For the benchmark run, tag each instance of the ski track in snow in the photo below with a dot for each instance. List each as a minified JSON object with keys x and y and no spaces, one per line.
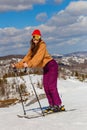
{"x":74,"y":97}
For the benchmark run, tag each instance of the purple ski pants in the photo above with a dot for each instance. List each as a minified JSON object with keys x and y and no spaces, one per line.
{"x":50,"y":75}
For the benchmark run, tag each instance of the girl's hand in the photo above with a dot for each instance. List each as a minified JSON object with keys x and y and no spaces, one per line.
{"x":13,"y":65}
{"x":25,"y":64}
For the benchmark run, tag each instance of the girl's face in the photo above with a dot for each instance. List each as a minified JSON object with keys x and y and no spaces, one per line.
{"x":35,"y":41}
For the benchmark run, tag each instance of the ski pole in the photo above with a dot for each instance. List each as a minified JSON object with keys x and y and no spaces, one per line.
{"x":16,"y":74}
{"x":34,"y":91}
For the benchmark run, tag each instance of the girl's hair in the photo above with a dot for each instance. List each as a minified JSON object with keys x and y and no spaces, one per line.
{"x":34,"y":48}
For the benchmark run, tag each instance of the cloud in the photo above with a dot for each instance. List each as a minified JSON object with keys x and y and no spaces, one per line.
{"x":42,"y":17}
{"x":70,"y":14}
{"x":68,"y":23}
{"x":13,"y":41}
{"x":68,"y":28}
{"x":18,"y":5}
{"x":77,"y":8}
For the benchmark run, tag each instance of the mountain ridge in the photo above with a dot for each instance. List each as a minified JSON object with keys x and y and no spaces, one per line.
{"x":78,"y":54}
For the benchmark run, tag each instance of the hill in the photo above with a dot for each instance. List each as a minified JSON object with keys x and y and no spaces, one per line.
{"x":11,"y":56}
{"x":78,"y":54}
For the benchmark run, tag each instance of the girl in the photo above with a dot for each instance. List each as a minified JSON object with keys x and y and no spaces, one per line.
{"x":38,"y":56}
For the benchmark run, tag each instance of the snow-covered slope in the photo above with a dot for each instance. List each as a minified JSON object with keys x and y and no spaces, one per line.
{"x":74,"y":97}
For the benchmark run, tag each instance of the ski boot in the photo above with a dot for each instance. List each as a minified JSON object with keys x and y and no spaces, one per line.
{"x":53,"y":109}
{"x":62,"y":108}
{"x":48,"y":109}
{"x":57,"y":109}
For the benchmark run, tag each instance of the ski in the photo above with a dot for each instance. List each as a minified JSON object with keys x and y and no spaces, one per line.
{"x":37,"y":116}
{"x":50,"y":112}
{"x":29,"y":116}
{"x":40,"y":115}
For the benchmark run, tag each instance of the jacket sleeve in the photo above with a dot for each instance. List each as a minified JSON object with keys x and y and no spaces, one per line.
{"x":38,"y":57}
{"x":25,"y":59}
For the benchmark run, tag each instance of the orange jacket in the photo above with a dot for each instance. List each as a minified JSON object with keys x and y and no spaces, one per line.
{"x":40,"y":59}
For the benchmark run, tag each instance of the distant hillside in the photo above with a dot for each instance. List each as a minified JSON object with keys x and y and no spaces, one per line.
{"x":68,"y":64}
{"x":11,"y":56}
{"x":78,"y":54}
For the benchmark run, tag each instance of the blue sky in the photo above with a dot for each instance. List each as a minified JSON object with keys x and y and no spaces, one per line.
{"x":23,"y":18}
{"x":63,"y":25}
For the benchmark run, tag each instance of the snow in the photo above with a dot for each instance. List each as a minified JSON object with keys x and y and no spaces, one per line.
{"x":74,"y":97}
{"x":35,"y":79}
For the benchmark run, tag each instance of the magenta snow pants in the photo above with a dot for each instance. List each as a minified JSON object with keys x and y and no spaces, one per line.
{"x":50,"y":75}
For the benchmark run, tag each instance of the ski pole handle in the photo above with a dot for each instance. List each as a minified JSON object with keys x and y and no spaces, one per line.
{"x":25,"y":66}
{"x":15,"y":69}
{"x":25,"y":70}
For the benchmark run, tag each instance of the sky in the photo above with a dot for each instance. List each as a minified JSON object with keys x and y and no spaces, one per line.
{"x":63,"y":25}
